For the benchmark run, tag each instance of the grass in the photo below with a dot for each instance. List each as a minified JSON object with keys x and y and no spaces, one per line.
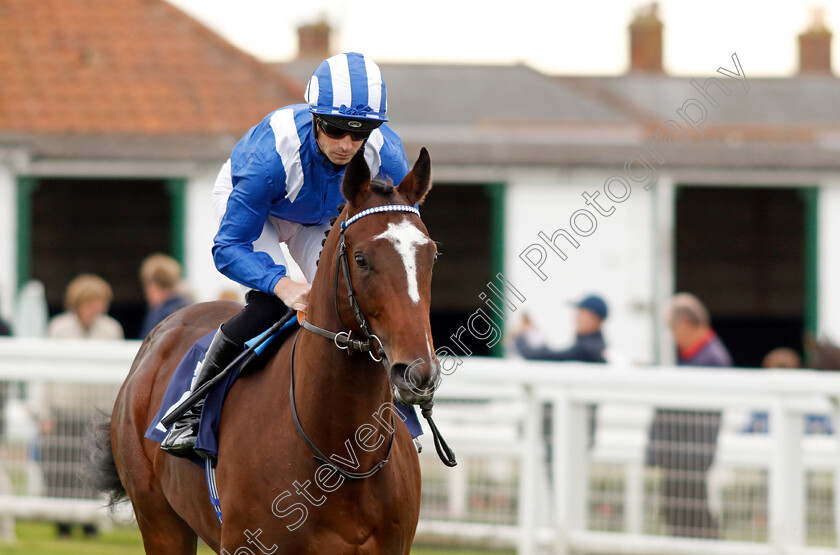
{"x":38,"y":538}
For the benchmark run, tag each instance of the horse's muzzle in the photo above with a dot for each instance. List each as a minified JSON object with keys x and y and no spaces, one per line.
{"x":415,"y":383}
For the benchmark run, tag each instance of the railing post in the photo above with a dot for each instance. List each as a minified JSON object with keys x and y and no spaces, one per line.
{"x":457,"y":489}
{"x":634,"y":493}
{"x":571,"y":480}
{"x":786,"y":487}
{"x":529,"y":467}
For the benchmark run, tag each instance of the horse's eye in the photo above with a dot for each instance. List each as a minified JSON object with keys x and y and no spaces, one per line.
{"x":361,"y":261}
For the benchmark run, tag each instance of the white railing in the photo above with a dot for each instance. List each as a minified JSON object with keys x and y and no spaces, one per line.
{"x":523,"y":387}
{"x":504,"y":493}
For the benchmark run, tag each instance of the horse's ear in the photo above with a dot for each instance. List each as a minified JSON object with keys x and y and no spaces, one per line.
{"x":418,"y":182}
{"x":356,"y":179}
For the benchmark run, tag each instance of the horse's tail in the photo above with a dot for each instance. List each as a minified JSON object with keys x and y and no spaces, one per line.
{"x":100,"y":471}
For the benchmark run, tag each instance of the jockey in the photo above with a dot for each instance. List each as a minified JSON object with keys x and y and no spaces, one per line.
{"x":282,"y":184}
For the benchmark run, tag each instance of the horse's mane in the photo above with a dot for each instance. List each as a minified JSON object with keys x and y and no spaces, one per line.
{"x":383,"y":186}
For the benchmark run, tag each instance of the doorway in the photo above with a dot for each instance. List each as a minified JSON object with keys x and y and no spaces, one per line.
{"x":100,"y":226}
{"x":467,"y":221}
{"x":748,"y":253}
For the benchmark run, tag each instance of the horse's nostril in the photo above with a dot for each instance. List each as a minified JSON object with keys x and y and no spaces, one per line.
{"x":413,"y":378}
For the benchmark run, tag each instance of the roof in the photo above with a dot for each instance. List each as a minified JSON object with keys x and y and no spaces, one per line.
{"x":800,"y":101}
{"x":457,"y":95}
{"x":127,"y":67}
{"x":513,"y":115}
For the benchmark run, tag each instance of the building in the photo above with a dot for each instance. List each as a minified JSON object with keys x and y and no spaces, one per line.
{"x":720,"y":184}
{"x":114,"y":120}
{"x":632,"y":186}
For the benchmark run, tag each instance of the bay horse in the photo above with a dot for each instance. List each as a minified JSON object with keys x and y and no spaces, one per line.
{"x":275,"y":496}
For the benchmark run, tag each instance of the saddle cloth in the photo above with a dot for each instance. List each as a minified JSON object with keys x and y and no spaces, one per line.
{"x":208,"y":428}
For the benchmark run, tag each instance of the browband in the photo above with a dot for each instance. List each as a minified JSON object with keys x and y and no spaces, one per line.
{"x":377,"y":209}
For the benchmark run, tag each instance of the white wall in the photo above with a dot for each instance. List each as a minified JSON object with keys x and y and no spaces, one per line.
{"x":828,"y":272}
{"x":615,"y":261}
{"x":8,"y":241}
{"x":204,"y":280}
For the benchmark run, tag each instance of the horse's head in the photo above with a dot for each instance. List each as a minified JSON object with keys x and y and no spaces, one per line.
{"x":390,"y":258}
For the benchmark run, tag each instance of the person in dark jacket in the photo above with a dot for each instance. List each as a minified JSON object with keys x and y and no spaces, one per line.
{"x":589,"y":346}
{"x":160,"y":276}
{"x":683,"y":443}
{"x":589,"y":342}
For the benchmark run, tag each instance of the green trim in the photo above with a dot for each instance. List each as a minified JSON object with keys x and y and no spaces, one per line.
{"x":177,"y":189}
{"x":810,"y":197}
{"x":25,"y":187}
{"x":497,"y":193}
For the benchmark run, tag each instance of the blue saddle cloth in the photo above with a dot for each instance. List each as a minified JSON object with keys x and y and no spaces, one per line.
{"x":208,"y":428}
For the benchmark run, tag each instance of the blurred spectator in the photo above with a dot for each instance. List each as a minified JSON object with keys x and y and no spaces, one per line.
{"x":231,"y":295}
{"x":785,"y":358}
{"x":4,"y":328}
{"x":822,"y":354}
{"x":160,"y":275}
{"x":589,"y":346}
{"x":683,"y":443}
{"x":782,"y":357}
{"x":589,"y":342}
{"x":87,"y":299}
{"x":86,"y":302}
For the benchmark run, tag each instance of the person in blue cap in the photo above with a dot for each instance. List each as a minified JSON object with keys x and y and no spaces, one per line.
{"x":282,"y":184}
{"x":589,"y":343}
{"x":589,"y":346}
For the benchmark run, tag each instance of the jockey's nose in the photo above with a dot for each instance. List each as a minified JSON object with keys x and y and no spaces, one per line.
{"x":347,"y":142}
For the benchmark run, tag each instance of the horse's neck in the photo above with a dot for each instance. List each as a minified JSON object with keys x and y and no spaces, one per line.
{"x":348,"y":386}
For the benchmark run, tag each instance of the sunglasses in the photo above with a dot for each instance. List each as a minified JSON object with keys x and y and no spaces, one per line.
{"x":335,"y":132}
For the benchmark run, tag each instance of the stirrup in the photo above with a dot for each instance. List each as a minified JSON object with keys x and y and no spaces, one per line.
{"x":181,"y":438}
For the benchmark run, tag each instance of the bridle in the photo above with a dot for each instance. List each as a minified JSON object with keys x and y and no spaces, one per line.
{"x":343,"y":339}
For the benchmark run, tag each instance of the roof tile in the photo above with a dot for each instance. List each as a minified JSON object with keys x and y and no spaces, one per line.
{"x":133,"y":66}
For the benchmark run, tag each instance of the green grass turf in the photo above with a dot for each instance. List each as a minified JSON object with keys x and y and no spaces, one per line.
{"x":39,"y":538}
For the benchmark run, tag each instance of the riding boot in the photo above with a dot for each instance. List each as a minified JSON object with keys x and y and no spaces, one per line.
{"x":180,"y":440}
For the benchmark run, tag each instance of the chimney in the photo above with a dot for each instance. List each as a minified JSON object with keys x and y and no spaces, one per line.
{"x":314,"y":41}
{"x":646,"y":41}
{"x":815,"y":47}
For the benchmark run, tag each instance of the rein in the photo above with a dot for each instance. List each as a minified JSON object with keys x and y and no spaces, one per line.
{"x":319,"y":455}
{"x":343,"y":341}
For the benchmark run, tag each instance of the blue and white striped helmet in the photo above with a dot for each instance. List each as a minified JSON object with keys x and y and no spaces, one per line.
{"x":350,"y":86}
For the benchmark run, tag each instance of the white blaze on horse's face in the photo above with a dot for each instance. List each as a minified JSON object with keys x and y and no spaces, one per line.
{"x":406,"y":238}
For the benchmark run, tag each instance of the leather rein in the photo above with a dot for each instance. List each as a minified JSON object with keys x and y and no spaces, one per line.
{"x":343,"y":340}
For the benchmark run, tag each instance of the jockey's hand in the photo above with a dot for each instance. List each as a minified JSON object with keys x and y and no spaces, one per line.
{"x":293,"y":293}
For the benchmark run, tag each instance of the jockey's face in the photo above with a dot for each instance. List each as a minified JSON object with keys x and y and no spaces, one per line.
{"x":339,"y":151}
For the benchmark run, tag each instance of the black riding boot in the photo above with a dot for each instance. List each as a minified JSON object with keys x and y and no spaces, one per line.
{"x":180,"y":440}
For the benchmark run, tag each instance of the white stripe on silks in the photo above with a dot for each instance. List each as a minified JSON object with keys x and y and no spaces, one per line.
{"x":372,"y":148}
{"x":312,"y":91}
{"x":287,"y":144}
{"x":374,"y":85}
{"x":340,"y":73}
